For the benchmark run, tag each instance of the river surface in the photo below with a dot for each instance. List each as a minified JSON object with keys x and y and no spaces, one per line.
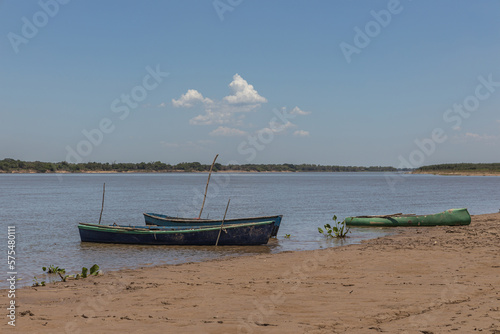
{"x":46,"y":208}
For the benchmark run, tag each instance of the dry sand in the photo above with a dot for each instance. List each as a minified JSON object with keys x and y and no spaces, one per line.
{"x":421,"y":280}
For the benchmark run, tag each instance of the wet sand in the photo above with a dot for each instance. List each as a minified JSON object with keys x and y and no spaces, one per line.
{"x":420,"y":280}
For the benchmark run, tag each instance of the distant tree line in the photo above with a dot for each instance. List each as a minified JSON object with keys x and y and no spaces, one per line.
{"x":462,"y":167}
{"x":303,"y":168}
{"x":11,"y":165}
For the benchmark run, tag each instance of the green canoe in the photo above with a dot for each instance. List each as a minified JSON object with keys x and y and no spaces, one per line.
{"x":447,"y":218}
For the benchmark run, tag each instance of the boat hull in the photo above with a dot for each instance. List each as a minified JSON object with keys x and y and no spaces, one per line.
{"x":447,"y":218}
{"x":240,"y":234}
{"x":164,"y":220}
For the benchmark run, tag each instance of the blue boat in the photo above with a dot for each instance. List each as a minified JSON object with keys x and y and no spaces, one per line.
{"x":257,"y":233}
{"x":164,"y":220}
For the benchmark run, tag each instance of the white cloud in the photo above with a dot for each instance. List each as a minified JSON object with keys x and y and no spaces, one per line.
{"x":470,"y":137}
{"x":298,"y":111}
{"x":483,"y":137}
{"x":230,"y":112}
{"x":277,"y":127}
{"x":191,"y":97}
{"x":227,"y":132}
{"x":212,"y":117}
{"x":243,"y":92}
{"x":285,"y":126}
{"x":244,"y":99}
{"x":301,"y":133}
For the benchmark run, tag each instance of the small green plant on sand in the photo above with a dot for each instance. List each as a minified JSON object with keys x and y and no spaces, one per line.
{"x":53,"y":269}
{"x":287,"y":236}
{"x":94,"y":271}
{"x":56,"y":270}
{"x":36,"y":283}
{"x":338,"y":230}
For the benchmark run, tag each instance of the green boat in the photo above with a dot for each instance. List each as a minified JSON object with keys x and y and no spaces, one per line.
{"x":447,"y":218}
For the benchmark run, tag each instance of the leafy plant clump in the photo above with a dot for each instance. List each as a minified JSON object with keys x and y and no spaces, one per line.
{"x":36,"y":283}
{"x":94,"y":271}
{"x":53,"y":269}
{"x":338,"y":230}
{"x":56,"y":270}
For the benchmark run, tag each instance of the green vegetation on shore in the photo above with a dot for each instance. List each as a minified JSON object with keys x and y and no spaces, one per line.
{"x":17,"y":166}
{"x":470,"y":168}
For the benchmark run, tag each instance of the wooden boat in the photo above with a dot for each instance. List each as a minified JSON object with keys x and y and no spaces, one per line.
{"x":447,"y":218}
{"x":164,"y":220}
{"x":237,"y":234}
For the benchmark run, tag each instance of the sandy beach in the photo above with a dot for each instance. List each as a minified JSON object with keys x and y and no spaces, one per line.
{"x":419,"y":280}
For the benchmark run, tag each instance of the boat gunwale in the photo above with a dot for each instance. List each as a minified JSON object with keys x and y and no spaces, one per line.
{"x":194,"y":220}
{"x":156,"y":230}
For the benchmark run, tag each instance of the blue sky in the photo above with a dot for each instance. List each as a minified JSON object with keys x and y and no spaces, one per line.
{"x":398,"y":83}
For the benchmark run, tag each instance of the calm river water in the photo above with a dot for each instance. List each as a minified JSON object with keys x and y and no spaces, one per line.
{"x":45,"y":210}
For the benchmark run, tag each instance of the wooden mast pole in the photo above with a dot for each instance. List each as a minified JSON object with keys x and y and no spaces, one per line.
{"x":206,"y":188}
{"x":102,"y":206}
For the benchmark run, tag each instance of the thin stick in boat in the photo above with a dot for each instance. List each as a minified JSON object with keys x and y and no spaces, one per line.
{"x":222,"y":224}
